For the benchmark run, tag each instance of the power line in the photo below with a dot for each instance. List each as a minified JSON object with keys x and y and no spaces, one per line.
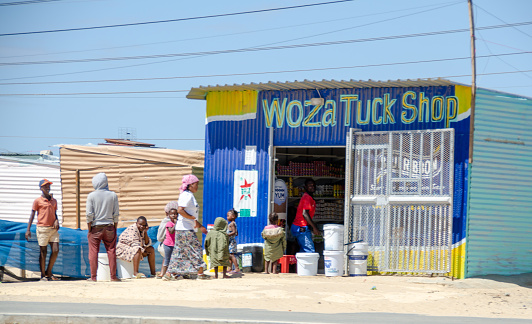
{"x":268,"y":48}
{"x":166,"y":91}
{"x":240,"y":33}
{"x":266,"y":72}
{"x":25,"y":2}
{"x":91,"y":93}
{"x":519,"y":30}
{"x":178,"y":19}
{"x":101,"y":69}
{"x":99,"y":138}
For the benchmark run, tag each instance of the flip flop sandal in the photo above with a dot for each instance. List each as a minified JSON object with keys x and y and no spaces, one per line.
{"x":140,"y":276}
{"x":53,"y":278}
{"x":44,"y":279}
{"x":203,"y":277}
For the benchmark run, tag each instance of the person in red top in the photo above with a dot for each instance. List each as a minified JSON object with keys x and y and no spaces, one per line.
{"x":47,"y":228}
{"x":303,"y":225}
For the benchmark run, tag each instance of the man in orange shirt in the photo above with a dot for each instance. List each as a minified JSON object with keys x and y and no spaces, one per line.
{"x":47,"y":228}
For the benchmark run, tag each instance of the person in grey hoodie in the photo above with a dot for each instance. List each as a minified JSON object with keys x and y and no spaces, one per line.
{"x":102,"y":221}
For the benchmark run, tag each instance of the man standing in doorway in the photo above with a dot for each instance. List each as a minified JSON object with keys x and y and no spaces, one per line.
{"x":47,"y":229}
{"x":102,"y":220}
{"x":303,"y":224}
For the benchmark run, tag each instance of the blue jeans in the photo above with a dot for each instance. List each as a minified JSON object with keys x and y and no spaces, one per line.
{"x":167,"y":254}
{"x":304,"y":238}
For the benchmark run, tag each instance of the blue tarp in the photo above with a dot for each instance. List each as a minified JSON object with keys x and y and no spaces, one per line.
{"x":73,"y":258}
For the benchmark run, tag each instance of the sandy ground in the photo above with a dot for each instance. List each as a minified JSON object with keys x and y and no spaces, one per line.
{"x":493,"y":296}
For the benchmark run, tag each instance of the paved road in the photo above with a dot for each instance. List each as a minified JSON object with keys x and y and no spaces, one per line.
{"x":25,"y":312}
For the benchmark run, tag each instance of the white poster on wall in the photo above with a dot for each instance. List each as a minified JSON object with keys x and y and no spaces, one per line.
{"x":251,"y":155}
{"x":280,"y":198}
{"x":245,"y":192}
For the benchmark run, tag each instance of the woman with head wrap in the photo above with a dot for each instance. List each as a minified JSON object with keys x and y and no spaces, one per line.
{"x":187,"y":256}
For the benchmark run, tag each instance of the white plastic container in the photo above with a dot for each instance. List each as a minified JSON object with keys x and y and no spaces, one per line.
{"x":358,"y":259}
{"x":333,"y":235}
{"x":125,"y":269}
{"x":334,"y":263}
{"x":307,"y":264}
{"x":103,"y":273}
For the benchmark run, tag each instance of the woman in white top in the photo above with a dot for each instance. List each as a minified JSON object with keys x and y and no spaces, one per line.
{"x":187,"y":256}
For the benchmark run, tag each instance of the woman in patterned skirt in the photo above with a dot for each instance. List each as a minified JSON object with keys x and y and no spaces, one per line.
{"x":187,"y":257}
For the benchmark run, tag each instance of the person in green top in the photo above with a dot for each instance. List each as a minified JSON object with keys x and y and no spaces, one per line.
{"x":217,"y":247}
{"x":274,"y":243}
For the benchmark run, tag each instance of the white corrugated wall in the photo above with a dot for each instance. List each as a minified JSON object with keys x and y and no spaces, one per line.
{"x":499,"y":236}
{"x":19,"y":187}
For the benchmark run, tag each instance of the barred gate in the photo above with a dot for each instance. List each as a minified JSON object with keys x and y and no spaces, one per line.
{"x":399,"y":188}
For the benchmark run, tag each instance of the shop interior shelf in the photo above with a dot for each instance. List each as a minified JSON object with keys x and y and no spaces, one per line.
{"x":309,"y":176}
{"x":335,"y":157}
{"x":329,"y":220}
{"x":319,"y":198}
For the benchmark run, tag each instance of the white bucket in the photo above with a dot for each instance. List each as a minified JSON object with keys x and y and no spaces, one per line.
{"x":358,"y":259}
{"x":125,"y":269}
{"x":307,"y":264}
{"x":334,"y":237}
{"x":103,"y":273}
{"x":334,"y":263}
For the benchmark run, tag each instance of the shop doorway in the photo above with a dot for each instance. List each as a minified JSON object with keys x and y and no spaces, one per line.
{"x":326,"y":165}
{"x":399,"y":188}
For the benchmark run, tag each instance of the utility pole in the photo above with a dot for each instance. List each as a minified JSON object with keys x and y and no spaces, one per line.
{"x":473,"y":82}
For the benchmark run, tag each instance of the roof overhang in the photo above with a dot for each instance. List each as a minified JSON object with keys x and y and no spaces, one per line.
{"x":201,"y":91}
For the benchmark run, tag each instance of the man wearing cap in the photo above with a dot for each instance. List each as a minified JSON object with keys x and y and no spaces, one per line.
{"x":102,"y":220}
{"x":47,"y":228}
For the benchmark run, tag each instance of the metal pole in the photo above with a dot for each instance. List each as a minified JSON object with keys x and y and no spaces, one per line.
{"x":473,"y":81}
{"x":78,"y":199}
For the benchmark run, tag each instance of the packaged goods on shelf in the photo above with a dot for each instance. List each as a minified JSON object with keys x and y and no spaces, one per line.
{"x":311,"y":169}
{"x":329,"y":210}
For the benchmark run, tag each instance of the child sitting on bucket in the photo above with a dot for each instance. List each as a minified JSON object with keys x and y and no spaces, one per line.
{"x":274,"y":244}
{"x":217,"y":247}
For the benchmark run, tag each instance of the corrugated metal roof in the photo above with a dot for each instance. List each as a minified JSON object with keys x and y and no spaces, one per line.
{"x":19,"y":186}
{"x":201,"y":91}
{"x":500,"y":203}
{"x":145,"y":180}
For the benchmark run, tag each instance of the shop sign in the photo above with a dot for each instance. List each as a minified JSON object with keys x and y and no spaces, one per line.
{"x":405,"y":109}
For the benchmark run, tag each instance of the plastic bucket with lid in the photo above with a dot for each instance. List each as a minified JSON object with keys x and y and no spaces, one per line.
{"x":334,"y":263}
{"x":358,"y":259}
{"x":334,"y":237}
{"x":103,"y":273}
{"x":307,"y":264}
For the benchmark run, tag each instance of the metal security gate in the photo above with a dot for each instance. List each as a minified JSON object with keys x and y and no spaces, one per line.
{"x":400,"y":187}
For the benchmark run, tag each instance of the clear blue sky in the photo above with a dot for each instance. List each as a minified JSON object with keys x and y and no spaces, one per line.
{"x":38,"y":114}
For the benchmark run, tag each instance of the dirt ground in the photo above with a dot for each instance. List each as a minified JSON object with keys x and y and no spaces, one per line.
{"x":491,"y":296}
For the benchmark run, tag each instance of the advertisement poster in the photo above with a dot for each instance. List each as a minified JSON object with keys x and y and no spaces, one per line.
{"x":280,"y":198}
{"x":245,"y":192}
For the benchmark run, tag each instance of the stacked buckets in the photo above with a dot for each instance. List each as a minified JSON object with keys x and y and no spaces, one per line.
{"x":333,"y":253}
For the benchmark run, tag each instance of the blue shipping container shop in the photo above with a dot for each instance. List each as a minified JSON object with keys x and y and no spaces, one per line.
{"x":394,"y":162}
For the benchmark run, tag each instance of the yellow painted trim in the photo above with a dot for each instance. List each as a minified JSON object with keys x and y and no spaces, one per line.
{"x":457,"y":262}
{"x":463,"y":94}
{"x":230,"y":103}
